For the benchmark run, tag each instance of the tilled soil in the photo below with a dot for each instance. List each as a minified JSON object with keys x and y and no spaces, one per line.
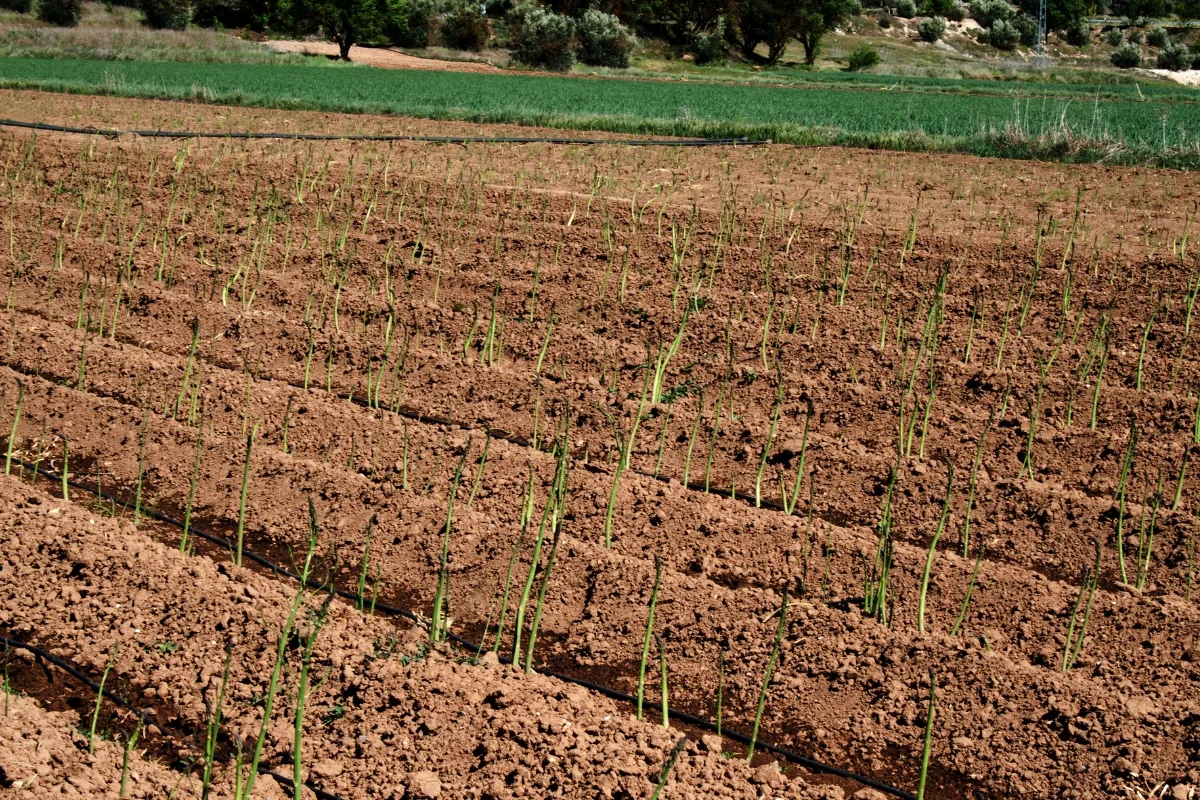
{"x":342,"y":297}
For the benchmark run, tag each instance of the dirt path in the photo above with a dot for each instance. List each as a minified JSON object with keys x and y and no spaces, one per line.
{"x":379,"y":57}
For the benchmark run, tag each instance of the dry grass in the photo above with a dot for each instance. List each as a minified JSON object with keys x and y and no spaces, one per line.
{"x":116,"y":33}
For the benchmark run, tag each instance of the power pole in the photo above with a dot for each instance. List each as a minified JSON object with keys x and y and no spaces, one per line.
{"x":1040,"y":50}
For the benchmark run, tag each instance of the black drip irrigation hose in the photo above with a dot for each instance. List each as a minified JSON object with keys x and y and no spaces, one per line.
{"x":380,"y":137}
{"x":477,"y":647}
{"x":123,"y":703}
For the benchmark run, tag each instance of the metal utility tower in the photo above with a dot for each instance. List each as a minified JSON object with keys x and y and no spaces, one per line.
{"x":1040,"y":50}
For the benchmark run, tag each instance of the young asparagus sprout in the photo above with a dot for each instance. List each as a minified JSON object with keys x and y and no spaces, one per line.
{"x":112,"y":657}
{"x":762,"y":463}
{"x":129,"y":746}
{"x":789,"y":500}
{"x":184,"y":540}
{"x":66,"y":492}
{"x":241,"y":526}
{"x":649,"y":634}
{"x":962,"y":614}
{"x":666,"y":770}
{"x":212,"y":730}
{"x":361,"y":588}
{"x":1087,"y":588}
{"x":662,"y":672}
{"x":12,"y":436}
{"x":141,"y":465}
{"x":937,"y":534}
{"x":302,"y":692}
{"x":771,"y":662}
{"x":487,"y":443}
{"x":438,"y":626}
{"x":966,"y":534}
{"x":928,"y":746}
{"x":541,"y":601}
{"x":245,"y":782}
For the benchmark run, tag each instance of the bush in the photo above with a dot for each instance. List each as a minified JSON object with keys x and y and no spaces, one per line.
{"x":19,"y":6}
{"x":63,"y":13}
{"x":603,"y":40}
{"x":1157,"y":37}
{"x":863,"y":57}
{"x":885,"y":20}
{"x":709,"y":48}
{"x":1134,"y":37}
{"x":544,"y":39}
{"x":465,"y":27}
{"x":1114,"y":37}
{"x":931,"y":29}
{"x":988,"y":12}
{"x":167,"y":14}
{"x":1127,"y":56}
{"x":1003,"y":35}
{"x":955,"y":12}
{"x":1079,"y":34}
{"x":905,"y":8}
{"x":1028,"y":28}
{"x":1173,"y":57}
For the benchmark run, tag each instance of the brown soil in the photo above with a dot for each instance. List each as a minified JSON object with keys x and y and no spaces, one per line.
{"x":769,"y":235}
{"x":379,"y":57}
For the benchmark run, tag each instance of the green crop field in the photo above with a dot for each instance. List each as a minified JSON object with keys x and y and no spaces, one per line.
{"x":1024,"y":121}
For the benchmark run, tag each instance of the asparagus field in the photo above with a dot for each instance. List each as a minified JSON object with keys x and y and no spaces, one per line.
{"x":393,"y":469}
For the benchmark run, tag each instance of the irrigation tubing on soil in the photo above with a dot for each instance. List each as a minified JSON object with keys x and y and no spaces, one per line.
{"x":112,"y":697}
{"x":607,"y":691}
{"x":380,"y":137}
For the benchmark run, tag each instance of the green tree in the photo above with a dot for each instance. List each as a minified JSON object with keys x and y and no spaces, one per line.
{"x":776,"y":22}
{"x":753,"y":22}
{"x":1061,"y":15}
{"x":818,"y":17}
{"x":680,"y":22}
{"x":345,"y":22}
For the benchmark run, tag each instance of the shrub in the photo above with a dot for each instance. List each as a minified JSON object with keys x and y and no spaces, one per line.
{"x":931,"y":29}
{"x":1114,"y":37}
{"x":1003,"y":35}
{"x":885,"y":20}
{"x":603,"y":40}
{"x":167,"y":14}
{"x":1079,"y":34}
{"x":709,"y":48}
{"x":863,"y":57}
{"x":1134,"y":37}
{"x":544,"y":39}
{"x":19,"y":6}
{"x":988,"y":12}
{"x":1173,"y":57}
{"x":63,"y":13}
{"x":955,"y":12}
{"x":1028,"y":28}
{"x":1157,"y":37}
{"x":1127,"y":56}
{"x":465,"y":27}
{"x":905,"y":8}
